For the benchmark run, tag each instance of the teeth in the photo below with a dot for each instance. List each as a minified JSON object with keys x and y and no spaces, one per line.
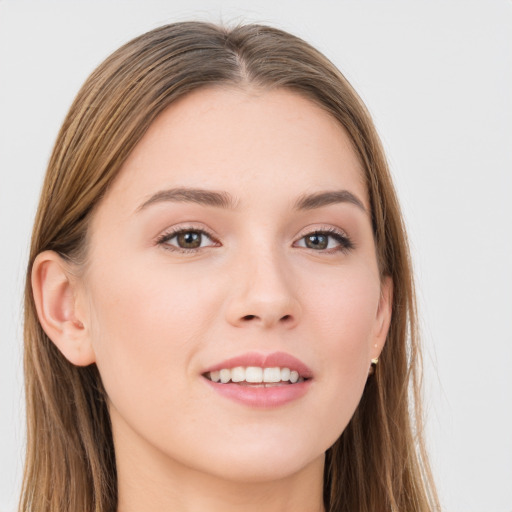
{"x":238,"y":374}
{"x":255,"y":375}
{"x":272,"y":375}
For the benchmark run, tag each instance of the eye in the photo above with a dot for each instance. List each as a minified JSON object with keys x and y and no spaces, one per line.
{"x":326,"y":240}
{"x":185,"y":240}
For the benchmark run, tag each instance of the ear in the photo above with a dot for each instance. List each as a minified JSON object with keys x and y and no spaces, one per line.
{"x":55,"y":294}
{"x":383,"y":318}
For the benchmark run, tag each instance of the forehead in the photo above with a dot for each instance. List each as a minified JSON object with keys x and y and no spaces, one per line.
{"x":248,"y":142}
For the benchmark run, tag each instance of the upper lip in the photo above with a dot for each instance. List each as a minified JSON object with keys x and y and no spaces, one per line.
{"x":272,"y":360}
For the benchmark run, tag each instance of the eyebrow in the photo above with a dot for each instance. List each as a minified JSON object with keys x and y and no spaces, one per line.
{"x":226,"y":201}
{"x":192,"y":195}
{"x":320,"y":199}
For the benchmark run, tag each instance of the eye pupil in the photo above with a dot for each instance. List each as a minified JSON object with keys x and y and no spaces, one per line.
{"x":317,"y":241}
{"x":189,"y":240}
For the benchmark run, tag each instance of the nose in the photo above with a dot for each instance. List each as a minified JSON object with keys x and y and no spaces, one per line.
{"x":262,"y":293}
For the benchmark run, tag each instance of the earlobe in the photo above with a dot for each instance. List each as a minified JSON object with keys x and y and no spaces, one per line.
{"x":54,"y":290}
{"x":383,"y":319}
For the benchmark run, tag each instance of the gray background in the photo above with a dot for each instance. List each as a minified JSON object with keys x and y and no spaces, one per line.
{"x":437,"y":77}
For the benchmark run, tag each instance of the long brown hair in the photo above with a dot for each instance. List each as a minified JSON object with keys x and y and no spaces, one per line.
{"x":379,"y":462}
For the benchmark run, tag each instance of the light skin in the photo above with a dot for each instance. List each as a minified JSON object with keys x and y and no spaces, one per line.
{"x":286,"y":262}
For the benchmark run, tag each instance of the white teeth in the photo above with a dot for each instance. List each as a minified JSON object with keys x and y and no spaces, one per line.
{"x":255,"y":375}
{"x":272,"y":375}
{"x":225,"y":376}
{"x":238,"y":374}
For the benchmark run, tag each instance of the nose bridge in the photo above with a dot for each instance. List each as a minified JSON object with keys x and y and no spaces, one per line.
{"x":264,"y":291}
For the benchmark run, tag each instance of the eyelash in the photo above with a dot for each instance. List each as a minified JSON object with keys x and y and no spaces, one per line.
{"x":163,"y":239}
{"x":345,"y":243}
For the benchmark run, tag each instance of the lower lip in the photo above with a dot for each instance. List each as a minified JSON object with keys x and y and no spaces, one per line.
{"x":262,"y":397}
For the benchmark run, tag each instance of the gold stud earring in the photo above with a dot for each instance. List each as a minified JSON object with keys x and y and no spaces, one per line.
{"x":373,"y":365}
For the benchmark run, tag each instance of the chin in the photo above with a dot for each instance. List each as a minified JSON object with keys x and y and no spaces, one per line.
{"x":270,"y":468}
{"x":246,"y":456}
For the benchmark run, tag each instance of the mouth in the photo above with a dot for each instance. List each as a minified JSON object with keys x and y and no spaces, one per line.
{"x":260,"y":380}
{"x":255,"y":376}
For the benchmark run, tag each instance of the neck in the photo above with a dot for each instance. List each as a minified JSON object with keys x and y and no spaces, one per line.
{"x":197,"y":493}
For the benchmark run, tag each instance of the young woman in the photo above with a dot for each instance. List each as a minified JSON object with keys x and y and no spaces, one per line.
{"x":219,"y":308}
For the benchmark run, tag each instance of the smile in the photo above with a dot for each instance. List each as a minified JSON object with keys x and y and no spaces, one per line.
{"x":260,"y":380}
{"x":254,"y":375}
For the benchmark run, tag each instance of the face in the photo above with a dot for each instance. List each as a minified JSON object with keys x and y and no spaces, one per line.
{"x":236,"y":235}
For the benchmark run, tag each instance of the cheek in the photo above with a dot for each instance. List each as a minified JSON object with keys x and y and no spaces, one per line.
{"x":343,"y":319}
{"x":145,"y":330}
{"x":343,"y":309}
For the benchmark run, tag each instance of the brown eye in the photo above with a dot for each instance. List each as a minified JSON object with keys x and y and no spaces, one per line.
{"x":186,"y":240}
{"x":189,"y":239}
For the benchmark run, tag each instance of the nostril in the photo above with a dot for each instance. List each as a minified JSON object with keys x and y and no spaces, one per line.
{"x":286,"y":319}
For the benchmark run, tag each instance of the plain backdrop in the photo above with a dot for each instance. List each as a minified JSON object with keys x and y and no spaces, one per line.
{"x":437,"y":78}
